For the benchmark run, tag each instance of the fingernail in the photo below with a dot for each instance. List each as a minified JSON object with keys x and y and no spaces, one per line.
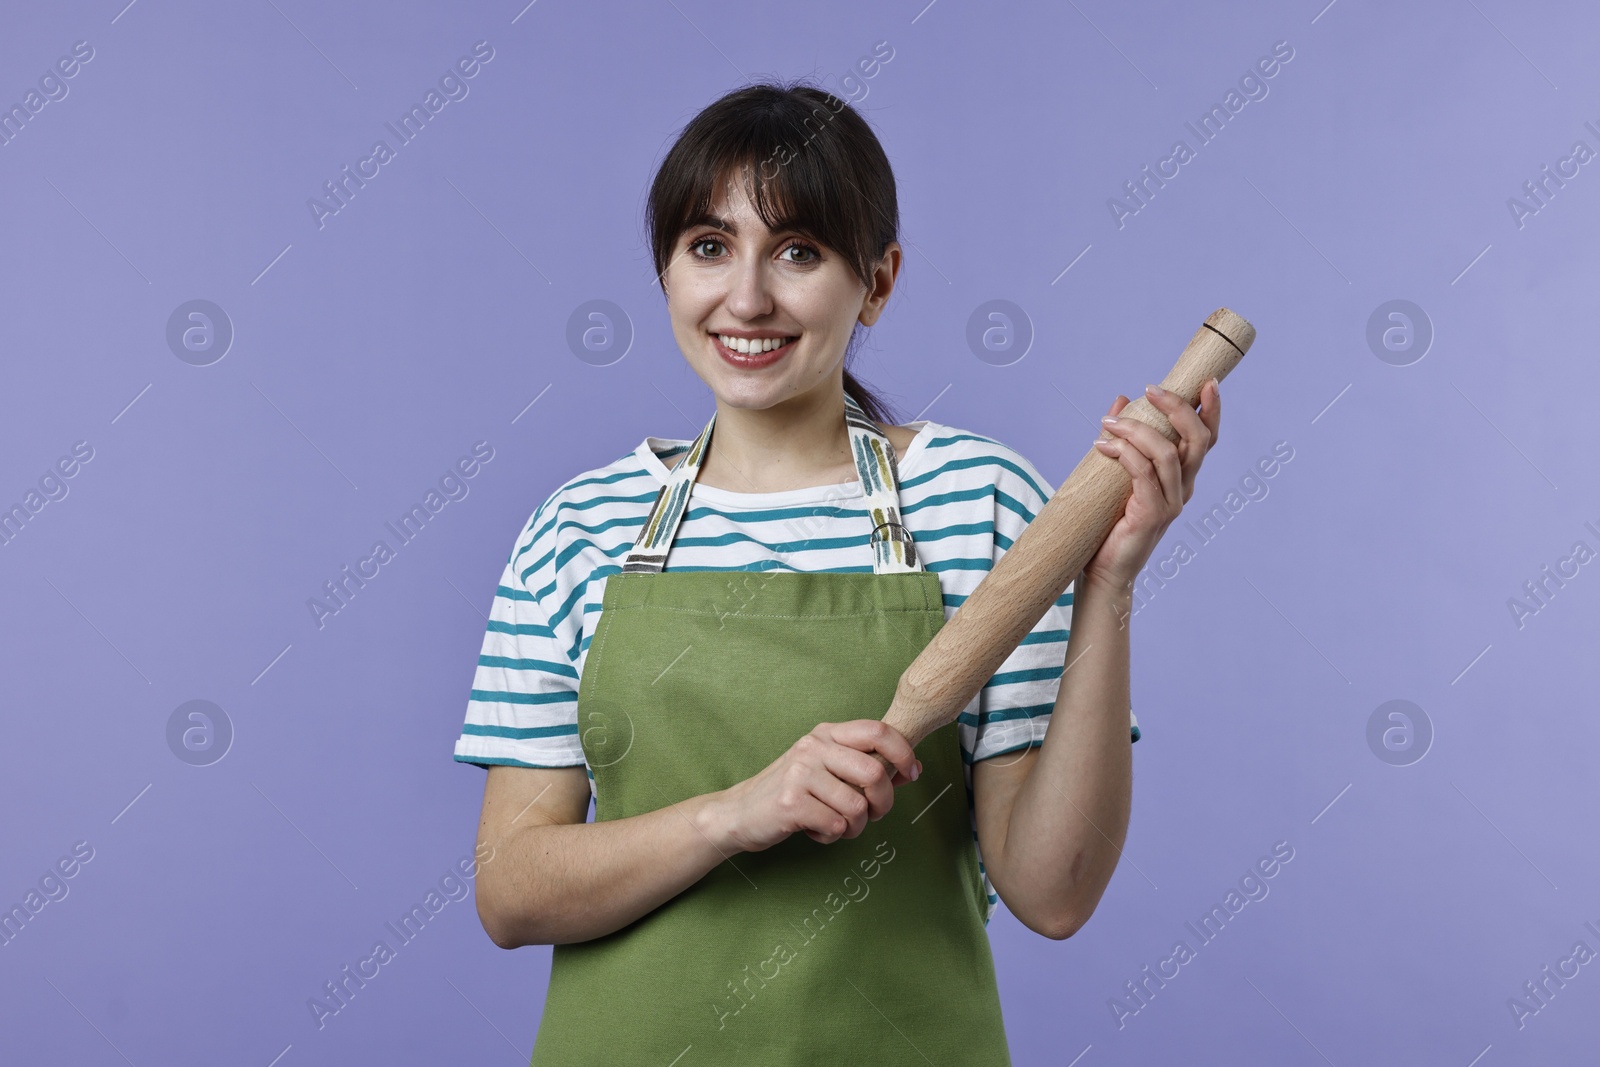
{"x":1110,"y":420}
{"x":916,"y":771}
{"x":1155,"y":390}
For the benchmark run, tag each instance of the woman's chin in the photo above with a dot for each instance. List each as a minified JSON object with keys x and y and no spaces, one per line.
{"x":746,"y":394}
{"x":745,"y":389}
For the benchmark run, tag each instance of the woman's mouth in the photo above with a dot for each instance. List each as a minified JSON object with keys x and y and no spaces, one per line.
{"x":752,"y":353}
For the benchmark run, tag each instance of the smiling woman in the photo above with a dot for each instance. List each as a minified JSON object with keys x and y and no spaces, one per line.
{"x":818,"y":225}
{"x":704,"y":641}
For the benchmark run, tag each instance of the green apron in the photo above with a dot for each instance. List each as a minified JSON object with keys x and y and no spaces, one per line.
{"x":869,"y":950}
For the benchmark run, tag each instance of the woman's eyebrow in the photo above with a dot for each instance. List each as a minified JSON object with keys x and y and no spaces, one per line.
{"x":728,"y":227}
{"x":715,"y":222}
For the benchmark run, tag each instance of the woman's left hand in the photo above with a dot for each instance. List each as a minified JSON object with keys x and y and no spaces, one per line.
{"x":1163,"y":478}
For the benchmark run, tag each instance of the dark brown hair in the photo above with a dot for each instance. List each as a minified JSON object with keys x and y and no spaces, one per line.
{"x":811,"y":164}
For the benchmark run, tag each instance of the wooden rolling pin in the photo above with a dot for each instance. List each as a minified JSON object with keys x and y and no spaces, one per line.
{"x":1049,"y":553}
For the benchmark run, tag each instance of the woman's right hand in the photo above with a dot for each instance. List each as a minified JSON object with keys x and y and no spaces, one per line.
{"x":829,"y":784}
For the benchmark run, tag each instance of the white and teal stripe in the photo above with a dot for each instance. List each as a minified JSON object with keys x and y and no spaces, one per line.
{"x":892,"y":550}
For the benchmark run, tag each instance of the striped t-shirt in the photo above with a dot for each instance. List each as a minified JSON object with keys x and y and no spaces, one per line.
{"x":965,"y":498}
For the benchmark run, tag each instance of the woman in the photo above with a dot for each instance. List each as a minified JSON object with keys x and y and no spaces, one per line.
{"x":704,"y":635}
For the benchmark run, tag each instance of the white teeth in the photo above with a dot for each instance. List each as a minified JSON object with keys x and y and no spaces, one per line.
{"x":747,"y":346}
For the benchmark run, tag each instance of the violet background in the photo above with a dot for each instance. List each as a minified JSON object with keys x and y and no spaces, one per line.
{"x":371,"y":353}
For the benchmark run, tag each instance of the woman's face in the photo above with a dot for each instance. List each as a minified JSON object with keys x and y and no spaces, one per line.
{"x":733,"y":281}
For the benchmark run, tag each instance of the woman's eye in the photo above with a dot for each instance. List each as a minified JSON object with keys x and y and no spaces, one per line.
{"x":711,"y":248}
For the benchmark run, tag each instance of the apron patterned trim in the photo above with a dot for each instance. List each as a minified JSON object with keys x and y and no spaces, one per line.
{"x":893,"y":548}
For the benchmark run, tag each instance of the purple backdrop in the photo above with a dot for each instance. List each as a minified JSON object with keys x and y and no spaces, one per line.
{"x":191,"y":474}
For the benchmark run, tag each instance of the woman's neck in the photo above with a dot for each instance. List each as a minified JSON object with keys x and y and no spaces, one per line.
{"x":795,"y":445}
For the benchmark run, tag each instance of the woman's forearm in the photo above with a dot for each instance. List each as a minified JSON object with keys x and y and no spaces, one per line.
{"x":564,"y":882}
{"x":1070,"y":817}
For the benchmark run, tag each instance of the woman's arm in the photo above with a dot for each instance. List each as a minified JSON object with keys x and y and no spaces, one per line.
{"x":1056,"y":836}
{"x":550,"y":877}
{"x":553,"y":877}
{"x":1052,"y":819}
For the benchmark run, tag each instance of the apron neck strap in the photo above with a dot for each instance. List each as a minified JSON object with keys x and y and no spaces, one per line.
{"x":893,"y":550}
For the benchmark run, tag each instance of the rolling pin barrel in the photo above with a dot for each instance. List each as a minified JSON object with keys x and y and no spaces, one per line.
{"x":1050,"y":552}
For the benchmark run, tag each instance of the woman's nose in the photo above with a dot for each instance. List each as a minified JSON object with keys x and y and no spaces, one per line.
{"x":750,"y":292}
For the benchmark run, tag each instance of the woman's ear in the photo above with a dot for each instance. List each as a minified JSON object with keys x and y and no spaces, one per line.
{"x":883,"y":279}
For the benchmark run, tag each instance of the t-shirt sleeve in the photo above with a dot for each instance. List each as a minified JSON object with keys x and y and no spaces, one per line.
{"x":523,"y":707}
{"x":1015,"y":705}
